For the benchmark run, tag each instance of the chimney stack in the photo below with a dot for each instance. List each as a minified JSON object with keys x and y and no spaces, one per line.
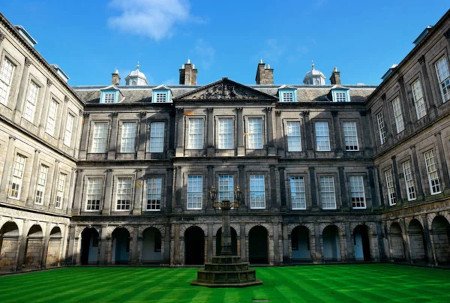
{"x":335,"y":77}
{"x":188,"y":74}
{"x":264,"y":74}
{"x":115,"y":78}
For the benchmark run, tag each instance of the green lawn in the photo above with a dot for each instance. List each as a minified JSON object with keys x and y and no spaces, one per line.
{"x":319,"y":283}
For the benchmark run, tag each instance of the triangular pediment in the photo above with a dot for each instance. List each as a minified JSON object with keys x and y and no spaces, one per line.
{"x":226,"y":89}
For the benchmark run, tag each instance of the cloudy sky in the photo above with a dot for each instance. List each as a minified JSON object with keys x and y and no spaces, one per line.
{"x":89,"y":39}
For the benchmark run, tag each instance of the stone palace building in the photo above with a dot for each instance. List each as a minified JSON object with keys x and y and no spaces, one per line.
{"x":121,"y":174}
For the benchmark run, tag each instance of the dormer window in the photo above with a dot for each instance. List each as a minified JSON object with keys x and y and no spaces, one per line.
{"x":109,"y":95}
{"x":161,"y":94}
{"x":340,"y":95}
{"x":287,"y":94}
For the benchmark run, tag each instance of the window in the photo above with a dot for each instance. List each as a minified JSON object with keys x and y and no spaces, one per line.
{"x":108,"y":97}
{"x":195,"y":133}
{"x":409,"y":182}
{"x":161,"y":95}
{"x":124,"y":193}
{"x":194,"y":192}
{"x":99,"y":137}
{"x":322,"y":136}
{"x":40,"y":187}
{"x":419,"y":102}
{"x":350,"y":136}
{"x":432,"y":172}
{"x":381,"y":129}
{"x":340,"y":95}
{"x":30,"y":102}
{"x":327,"y":193}
{"x":443,"y":75}
{"x":257,"y":192}
{"x":51,"y":118}
{"x":298,"y":198}
{"x":17,"y":176}
{"x":287,"y":94}
{"x":294,"y":138}
{"x":154,"y":194}
{"x":60,"y":190}
{"x":357,"y":192}
{"x":69,"y":130}
{"x":6,"y":76}
{"x":94,"y":193}
{"x":255,"y":133}
{"x":128,"y":137}
{"x":226,"y":188}
{"x":390,"y":187}
{"x":225,"y":133}
{"x":399,"y":124}
{"x":156,"y":137}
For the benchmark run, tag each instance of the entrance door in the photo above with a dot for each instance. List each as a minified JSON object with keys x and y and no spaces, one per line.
{"x":194,"y":246}
{"x":258,"y":247}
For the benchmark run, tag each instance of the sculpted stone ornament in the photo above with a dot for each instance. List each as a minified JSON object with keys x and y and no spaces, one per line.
{"x":226,"y":270}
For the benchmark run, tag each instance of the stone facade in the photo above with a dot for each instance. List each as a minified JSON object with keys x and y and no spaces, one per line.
{"x":309,"y":161}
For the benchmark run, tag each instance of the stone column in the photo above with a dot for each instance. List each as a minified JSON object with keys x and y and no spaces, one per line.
{"x":134,"y":242}
{"x":312,"y":186}
{"x":349,"y":243}
{"x":337,"y":133}
{"x":45,"y":243}
{"x":244,"y":239}
{"x":22,"y":91}
{"x":178,"y":188}
{"x":344,"y":191}
{"x":209,"y":243}
{"x":69,"y":200}
{"x":443,"y":161}
{"x":210,"y":146}
{"x":41,"y":113}
{"x":105,"y":246}
{"x":241,"y":181}
{"x":279,"y":144}
{"x":61,"y":126}
{"x":317,"y":255}
{"x":114,"y":129}
{"x":366,"y":139}
{"x":78,"y":192}
{"x":240,"y":132}
{"x":271,"y":150}
{"x":428,"y":242}
{"x":417,"y":174}
{"x":167,"y":205}
{"x":180,"y":132}
{"x":108,"y":194}
{"x":144,"y":136}
{"x":7,"y":169}
{"x":139,"y":191}
{"x":211,"y":180}
{"x":380,"y":186}
{"x":281,"y":173}
{"x":85,"y":136}
{"x":54,"y":185}
{"x":171,"y":126}
{"x":398,"y":192}
{"x":33,"y":178}
{"x":373,"y":192}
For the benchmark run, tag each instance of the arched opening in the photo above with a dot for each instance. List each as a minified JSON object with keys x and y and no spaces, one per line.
{"x":120,"y":246}
{"x":301,"y":251}
{"x":89,"y":246}
{"x":361,"y":243}
{"x":9,"y":245}
{"x":396,"y":242}
{"x":331,"y":243}
{"x":441,"y":238}
{"x":233,"y":241}
{"x":54,"y":247}
{"x":33,"y":249}
{"x":151,"y":246}
{"x":258,"y":252}
{"x":194,"y":246}
{"x":417,"y":241}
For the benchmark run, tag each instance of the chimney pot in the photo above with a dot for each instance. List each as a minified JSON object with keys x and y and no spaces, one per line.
{"x":335,"y":78}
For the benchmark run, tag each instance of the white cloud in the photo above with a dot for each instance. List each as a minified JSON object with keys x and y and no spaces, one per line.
{"x":150,"y":18}
{"x":205,"y":52}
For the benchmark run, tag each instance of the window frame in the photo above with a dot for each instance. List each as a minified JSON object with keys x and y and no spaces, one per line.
{"x":295,"y":138}
{"x":128,"y":137}
{"x":444,"y":84}
{"x":258,"y":138}
{"x":390,"y":186}
{"x":433,"y":182}
{"x":419,"y":101}
{"x":94,"y":139}
{"x":154,"y":192}
{"x":194,"y":191}
{"x":356,"y":189}
{"x":31,"y":101}
{"x":16,"y":179}
{"x":60,"y":190}
{"x":41,"y":184}
{"x":89,"y":194}
{"x":329,"y":193}
{"x":297,"y":192}
{"x":195,"y":140}
{"x":123,"y":194}
{"x":255,"y":195}
{"x":153,"y":146}
{"x":398,"y":115}
{"x":318,"y":137}
{"x":350,"y":137}
{"x":52,"y":117}
{"x":68,"y":131}
{"x":109,"y":96}
{"x":408,"y":177}
{"x":287,"y":95}
{"x":7,"y":86}
{"x":381,"y":126}
{"x":224,"y":135}
{"x":338,"y":93}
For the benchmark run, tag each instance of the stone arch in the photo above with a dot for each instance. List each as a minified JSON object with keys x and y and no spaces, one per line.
{"x":361,"y":242}
{"x":120,"y":246}
{"x":234,"y":244}
{"x":300,"y":244}
{"x":203,"y":227}
{"x":151,"y":245}
{"x":331,"y":246}
{"x":194,"y":245}
{"x":258,"y":245}
{"x":397,"y":245}
{"x":417,"y":243}
{"x":9,"y":245}
{"x":440,"y":232}
{"x":34,"y":247}
{"x":90,"y":238}
{"x":54,"y":247}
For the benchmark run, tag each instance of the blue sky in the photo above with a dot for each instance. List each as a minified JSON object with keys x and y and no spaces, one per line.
{"x":89,"y":39}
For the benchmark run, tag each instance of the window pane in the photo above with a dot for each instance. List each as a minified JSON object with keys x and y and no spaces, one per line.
{"x":390,"y":187}
{"x":69,"y":130}
{"x":60,"y":190}
{"x":128,"y":140}
{"x":255,"y":133}
{"x":432,"y":171}
{"x":195,"y":133}
{"x":257,"y":191}
{"x":381,"y":128}
{"x":51,"y":118}
{"x":409,"y":182}
{"x":99,"y":137}
{"x":156,"y":137}
{"x":297,"y":186}
{"x":6,"y":76}
{"x":357,"y":192}
{"x":350,"y":136}
{"x":194,"y":192}
{"x":124,"y":193}
{"x":40,"y":186}
{"x":226,"y":188}
{"x":293,"y":136}
{"x":94,"y":193}
{"x":154,"y":193}
{"x":398,"y":115}
{"x":225,"y":133}
{"x":419,"y":101}
{"x":443,"y":75}
{"x":17,"y":176}
{"x":327,"y":193}
{"x":322,"y":136}
{"x":30,"y":102}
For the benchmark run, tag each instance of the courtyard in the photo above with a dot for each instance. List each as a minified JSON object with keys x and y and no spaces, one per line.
{"x":304,"y":283}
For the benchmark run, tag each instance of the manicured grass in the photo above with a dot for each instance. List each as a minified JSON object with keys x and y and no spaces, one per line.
{"x":320,"y":283}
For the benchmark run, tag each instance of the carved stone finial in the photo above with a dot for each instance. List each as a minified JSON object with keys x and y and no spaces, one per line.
{"x":27,"y":62}
{"x":49,"y":82}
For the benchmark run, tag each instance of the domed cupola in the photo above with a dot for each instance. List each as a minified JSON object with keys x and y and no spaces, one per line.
{"x":136,"y":77}
{"x":314,"y":77}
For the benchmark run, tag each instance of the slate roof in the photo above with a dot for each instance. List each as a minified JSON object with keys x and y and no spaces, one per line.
{"x":142,"y":94}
